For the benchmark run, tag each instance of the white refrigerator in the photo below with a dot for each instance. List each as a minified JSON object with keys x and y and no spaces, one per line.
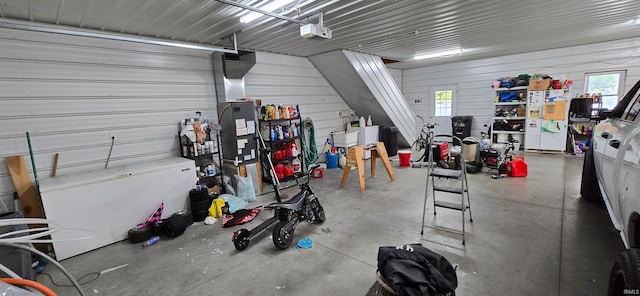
{"x":546,"y":123}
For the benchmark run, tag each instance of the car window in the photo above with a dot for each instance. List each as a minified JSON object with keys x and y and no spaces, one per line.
{"x":633,"y":110}
{"x":622,"y":107}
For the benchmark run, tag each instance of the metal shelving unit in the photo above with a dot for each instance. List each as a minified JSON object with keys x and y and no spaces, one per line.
{"x":503,"y":111}
{"x":203,"y":160}
{"x":281,"y":145}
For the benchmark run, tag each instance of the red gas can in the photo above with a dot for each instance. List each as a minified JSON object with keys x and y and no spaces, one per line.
{"x":317,"y":173}
{"x":517,"y":167}
{"x":279,"y":168}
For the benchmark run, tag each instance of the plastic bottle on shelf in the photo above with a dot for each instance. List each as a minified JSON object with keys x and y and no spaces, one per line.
{"x":273,"y":133}
{"x":210,"y":170}
{"x":288,"y":151}
{"x":184,"y":150}
{"x":295,"y":130}
{"x":296,"y":166}
{"x":280,"y":135}
{"x":212,"y":147}
{"x":294,"y":150}
{"x":369,"y":122}
{"x":362,"y":122}
{"x":152,"y":241}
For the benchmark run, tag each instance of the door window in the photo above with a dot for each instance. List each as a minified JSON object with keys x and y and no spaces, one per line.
{"x":632,"y":112}
{"x":444,"y":102}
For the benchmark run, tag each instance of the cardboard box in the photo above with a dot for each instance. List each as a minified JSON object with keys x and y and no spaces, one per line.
{"x":215,"y":189}
{"x":539,"y":84}
{"x":555,"y":110}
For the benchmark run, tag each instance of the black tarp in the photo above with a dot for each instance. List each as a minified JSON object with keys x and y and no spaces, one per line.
{"x":413,"y":270}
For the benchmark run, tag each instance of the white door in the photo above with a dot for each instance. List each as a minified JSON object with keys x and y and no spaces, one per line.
{"x":443,"y":102}
{"x":556,"y":140}
{"x":532,"y":133}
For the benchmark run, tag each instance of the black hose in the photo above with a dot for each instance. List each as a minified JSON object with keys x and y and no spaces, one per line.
{"x":113,"y":139}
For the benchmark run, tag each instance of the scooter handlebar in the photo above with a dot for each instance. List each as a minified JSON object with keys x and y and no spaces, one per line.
{"x":314,"y":166}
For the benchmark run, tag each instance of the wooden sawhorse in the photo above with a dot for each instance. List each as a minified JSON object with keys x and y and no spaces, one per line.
{"x":355,"y":157}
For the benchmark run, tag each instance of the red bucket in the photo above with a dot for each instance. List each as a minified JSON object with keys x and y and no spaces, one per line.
{"x":405,"y":158}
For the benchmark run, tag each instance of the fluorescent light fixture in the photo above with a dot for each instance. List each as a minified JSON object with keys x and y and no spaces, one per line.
{"x":636,"y":21}
{"x":269,"y":7}
{"x":457,"y":51}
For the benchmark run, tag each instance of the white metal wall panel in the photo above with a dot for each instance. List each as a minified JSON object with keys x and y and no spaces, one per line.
{"x":396,"y":74}
{"x":287,"y":80}
{"x":474,"y":78}
{"x":72,"y":94}
{"x":365,"y":84}
{"x":388,"y":95}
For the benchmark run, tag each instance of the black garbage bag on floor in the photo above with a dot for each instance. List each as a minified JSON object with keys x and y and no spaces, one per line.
{"x":413,"y":270}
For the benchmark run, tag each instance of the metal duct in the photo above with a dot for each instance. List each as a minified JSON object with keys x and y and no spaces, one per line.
{"x":364,"y":83}
{"x":228,"y":73}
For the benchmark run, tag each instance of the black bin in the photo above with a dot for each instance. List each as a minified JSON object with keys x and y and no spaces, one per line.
{"x":389,"y":136}
{"x":461,"y":126}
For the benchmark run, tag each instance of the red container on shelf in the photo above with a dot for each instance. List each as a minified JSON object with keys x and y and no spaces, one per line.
{"x":288,"y":170}
{"x":517,"y":167}
{"x":279,"y":168}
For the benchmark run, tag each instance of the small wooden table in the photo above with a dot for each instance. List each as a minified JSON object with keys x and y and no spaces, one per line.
{"x":355,"y":157}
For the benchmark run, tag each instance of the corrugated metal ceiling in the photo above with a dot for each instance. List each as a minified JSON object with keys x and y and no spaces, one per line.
{"x":395,"y":30}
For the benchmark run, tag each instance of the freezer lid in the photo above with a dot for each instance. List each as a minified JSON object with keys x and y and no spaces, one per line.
{"x":77,"y":179}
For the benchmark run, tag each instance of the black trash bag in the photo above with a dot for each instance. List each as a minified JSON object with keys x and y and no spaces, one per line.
{"x":413,"y":270}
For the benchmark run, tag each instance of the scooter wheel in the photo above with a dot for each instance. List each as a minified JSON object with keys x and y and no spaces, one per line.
{"x":318,"y":212}
{"x":282,"y":238}
{"x":241,"y":239}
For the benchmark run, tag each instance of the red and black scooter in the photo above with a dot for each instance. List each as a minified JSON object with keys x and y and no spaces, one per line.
{"x":287,"y":215}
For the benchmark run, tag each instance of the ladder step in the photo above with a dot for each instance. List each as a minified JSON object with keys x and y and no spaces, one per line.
{"x":450,"y":205}
{"x":446,"y":173}
{"x":448,"y":189}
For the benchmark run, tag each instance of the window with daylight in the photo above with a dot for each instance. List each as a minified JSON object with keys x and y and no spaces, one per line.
{"x":610,"y":84}
{"x":443,"y":102}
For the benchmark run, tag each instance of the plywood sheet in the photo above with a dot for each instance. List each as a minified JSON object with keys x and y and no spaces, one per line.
{"x":27,"y":193}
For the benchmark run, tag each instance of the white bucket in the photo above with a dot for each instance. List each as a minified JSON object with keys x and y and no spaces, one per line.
{"x":516,"y":146}
{"x":518,"y":138}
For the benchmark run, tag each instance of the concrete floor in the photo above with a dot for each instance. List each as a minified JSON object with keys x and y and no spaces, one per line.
{"x":530,"y":236}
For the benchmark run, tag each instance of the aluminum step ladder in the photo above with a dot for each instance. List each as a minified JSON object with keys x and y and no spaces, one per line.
{"x":435,"y":174}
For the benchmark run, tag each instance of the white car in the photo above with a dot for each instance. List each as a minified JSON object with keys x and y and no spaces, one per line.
{"x":611,"y":172}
